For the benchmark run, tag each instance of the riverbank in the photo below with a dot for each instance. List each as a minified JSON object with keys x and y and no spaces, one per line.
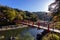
{"x":8,"y":33}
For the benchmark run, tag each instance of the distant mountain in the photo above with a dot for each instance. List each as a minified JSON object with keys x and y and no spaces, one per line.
{"x":43,"y":16}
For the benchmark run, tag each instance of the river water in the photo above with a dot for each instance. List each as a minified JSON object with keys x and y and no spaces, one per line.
{"x":33,"y":31}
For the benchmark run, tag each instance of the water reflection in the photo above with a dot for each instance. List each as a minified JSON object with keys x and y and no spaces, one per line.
{"x":33,"y":32}
{"x":21,"y":34}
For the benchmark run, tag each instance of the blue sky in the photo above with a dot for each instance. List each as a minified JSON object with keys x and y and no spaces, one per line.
{"x":29,"y":5}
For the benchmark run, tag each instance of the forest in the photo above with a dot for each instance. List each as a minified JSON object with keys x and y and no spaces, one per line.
{"x":9,"y":15}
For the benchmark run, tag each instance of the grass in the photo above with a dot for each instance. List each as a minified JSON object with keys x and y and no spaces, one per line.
{"x":51,"y":36}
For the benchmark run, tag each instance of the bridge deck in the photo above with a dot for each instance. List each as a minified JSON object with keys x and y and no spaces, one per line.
{"x":46,"y":28}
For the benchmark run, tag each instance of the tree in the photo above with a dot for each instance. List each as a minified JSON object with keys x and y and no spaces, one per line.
{"x":15,"y":14}
{"x":51,"y":37}
{"x":9,"y":14}
{"x":56,"y":10}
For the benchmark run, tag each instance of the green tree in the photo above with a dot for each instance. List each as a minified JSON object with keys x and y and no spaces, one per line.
{"x":10,"y":14}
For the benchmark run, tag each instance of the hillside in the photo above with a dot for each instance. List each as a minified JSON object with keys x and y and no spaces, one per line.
{"x":8,"y":15}
{"x":43,"y":16}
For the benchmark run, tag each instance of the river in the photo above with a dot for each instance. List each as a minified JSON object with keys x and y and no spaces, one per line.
{"x":33,"y":32}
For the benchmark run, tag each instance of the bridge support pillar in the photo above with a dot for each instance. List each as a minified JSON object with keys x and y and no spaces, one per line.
{"x":32,"y":23}
{"x":48,"y":28}
{"x":38,"y":25}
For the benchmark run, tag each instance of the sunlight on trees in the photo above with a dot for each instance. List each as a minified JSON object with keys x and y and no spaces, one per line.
{"x":51,"y":37}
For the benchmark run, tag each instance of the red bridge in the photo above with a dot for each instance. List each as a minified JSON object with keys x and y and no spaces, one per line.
{"x":38,"y":25}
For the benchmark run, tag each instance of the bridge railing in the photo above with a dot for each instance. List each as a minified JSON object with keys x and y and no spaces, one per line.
{"x":44,"y":24}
